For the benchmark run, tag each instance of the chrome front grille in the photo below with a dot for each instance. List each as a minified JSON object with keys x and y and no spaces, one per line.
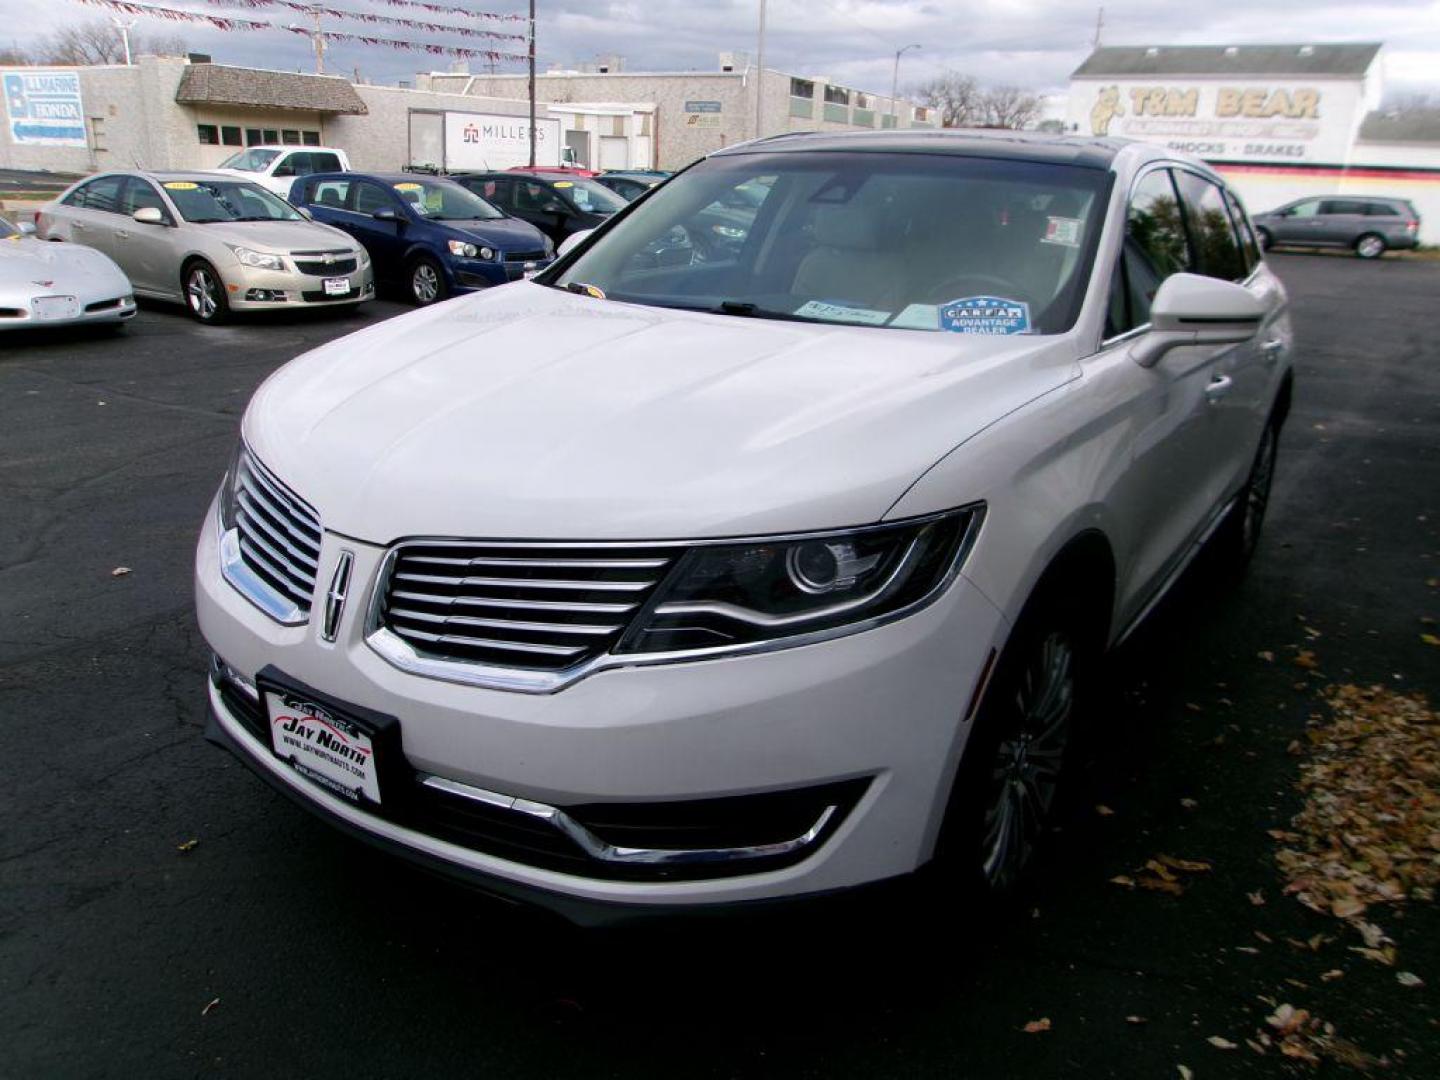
{"x":538,"y":607}
{"x":279,"y":533}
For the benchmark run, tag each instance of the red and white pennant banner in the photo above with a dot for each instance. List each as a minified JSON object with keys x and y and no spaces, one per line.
{"x":152,"y":11}
{"x":410,"y":46}
{"x":366,"y":17}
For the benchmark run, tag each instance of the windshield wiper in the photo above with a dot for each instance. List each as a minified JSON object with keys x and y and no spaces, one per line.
{"x":747,"y":310}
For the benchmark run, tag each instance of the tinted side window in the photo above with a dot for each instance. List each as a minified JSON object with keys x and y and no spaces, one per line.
{"x":325,"y":163}
{"x":1155,"y":248}
{"x":1248,"y":243}
{"x":102,"y":194}
{"x":139,"y":194}
{"x":1212,"y":233}
{"x":370,"y":197}
{"x":532,"y":196}
{"x":1342,"y":206}
{"x":1380,"y":209}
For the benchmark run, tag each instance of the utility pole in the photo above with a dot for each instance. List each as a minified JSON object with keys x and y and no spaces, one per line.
{"x":760,"y":72}
{"x":1099,"y":25}
{"x":532,"y":83}
{"x":895,"y":83}
{"x":317,"y":37}
{"x":124,"y":28}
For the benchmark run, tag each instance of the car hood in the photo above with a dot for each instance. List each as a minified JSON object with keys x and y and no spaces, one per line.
{"x":283,"y":236}
{"x":507,"y":234}
{"x":528,"y":412}
{"x":72,"y":267}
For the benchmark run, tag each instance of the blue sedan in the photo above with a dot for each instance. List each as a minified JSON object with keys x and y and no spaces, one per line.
{"x":426,"y":234}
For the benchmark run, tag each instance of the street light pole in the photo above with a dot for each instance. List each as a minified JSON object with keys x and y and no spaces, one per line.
{"x":895,"y":82}
{"x":760,"y":71}
{"x":532,"y":83}
{"x":124,"y":28}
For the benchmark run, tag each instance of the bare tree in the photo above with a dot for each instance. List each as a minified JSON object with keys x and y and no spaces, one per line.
{"x":1010,"y":107}
{"x":97,"y":41}
{"x":13,"y":58}
{"x":957,"y":97}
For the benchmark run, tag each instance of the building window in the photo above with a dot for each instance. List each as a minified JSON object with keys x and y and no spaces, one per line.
{"x":311,"y":138}
{"x":922,"y":114}
{"x":253,"y":137}
{"x":208,"y":133}
{"x":271,"y":136}
{"x":290,"y":137}
{"x":802,"y":88}
{"x":837,"y":95}
{"x":230,"y":136}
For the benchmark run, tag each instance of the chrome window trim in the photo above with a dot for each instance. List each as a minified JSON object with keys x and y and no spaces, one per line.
{"x":400,"y":654}
{"x":603,"y":851}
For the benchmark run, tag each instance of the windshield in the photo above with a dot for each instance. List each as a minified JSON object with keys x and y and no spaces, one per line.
{"x":910,"y":241}
{"x":589,"y":196}
{"x":250,"y":160}
{"x":445,"y":200}
{"x":207,"y":201}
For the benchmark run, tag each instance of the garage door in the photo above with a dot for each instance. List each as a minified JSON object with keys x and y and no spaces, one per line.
{"x":614,"y":152}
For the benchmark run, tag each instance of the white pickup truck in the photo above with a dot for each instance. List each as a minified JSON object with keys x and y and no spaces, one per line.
{"x":276,"y":167}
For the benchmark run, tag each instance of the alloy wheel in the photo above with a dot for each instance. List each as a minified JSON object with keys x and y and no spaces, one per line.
{"x":425,"y":283}
{"x":202,"y":292}
{"x":1370,"y":247}
{"x":1026,"y":767}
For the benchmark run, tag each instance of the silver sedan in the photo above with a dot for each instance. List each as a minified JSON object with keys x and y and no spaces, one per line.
{"x":214,"y":243}
{"x":52,"y":285}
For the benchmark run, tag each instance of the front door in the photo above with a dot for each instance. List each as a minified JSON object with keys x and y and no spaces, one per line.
{"x":384,"y":238}
{"x":146,"y":252}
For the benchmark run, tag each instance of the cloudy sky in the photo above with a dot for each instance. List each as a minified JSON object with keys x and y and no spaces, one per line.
{"x":853,"y":41}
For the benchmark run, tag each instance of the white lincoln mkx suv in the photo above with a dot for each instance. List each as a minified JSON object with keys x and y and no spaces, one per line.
{"x":756,"y":548}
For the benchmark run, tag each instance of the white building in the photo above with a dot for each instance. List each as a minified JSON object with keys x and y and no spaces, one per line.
{"x":1279,"y":121}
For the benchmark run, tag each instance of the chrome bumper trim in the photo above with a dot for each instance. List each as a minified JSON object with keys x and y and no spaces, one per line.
{"x":600,"y":849}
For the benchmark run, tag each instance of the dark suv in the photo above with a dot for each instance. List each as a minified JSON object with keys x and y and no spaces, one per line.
{"x":1368,"y":226}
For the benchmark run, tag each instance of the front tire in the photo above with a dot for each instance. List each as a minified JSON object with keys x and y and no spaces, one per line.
{"x":1240,"y":535}
{"x":1007,"y":785}
{"x":205,"y":294}
{"x":1370,"y":246}
{"x":427,"y":282}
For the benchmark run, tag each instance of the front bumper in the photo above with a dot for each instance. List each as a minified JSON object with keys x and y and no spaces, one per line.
{"x":884,"y":709}
{"x":251,"y":289}
{"x":470,"y":275}
{"x":108,"y":310}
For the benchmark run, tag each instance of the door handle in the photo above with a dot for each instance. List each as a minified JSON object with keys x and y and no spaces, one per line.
{"x":1219,"y":386}
{"x":1272,"y":349}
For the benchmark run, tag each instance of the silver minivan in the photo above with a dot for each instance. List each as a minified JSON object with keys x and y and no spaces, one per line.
{"x":1367,"y":225}
{"x":214,"y":243}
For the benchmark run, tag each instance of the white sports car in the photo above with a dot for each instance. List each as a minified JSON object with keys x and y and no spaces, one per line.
{"x":58,"y":284}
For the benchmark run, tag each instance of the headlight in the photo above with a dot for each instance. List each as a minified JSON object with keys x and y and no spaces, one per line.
{"x":487,"y":253}
{"x":738,"y":596}
{"x":230,"y":489}
{"x":363,"y":257}
{"x":261,"y":260}
{"x":460,"y":247}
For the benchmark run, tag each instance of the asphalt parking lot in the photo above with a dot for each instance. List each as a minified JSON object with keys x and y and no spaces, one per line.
{"x":274,"y":946}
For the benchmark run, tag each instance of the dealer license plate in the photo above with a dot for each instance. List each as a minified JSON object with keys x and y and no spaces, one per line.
{"x":55,"y":307}
{"x":328,"y":749}
{"x":337,"y":286}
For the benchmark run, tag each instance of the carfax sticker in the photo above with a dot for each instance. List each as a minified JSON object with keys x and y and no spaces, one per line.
{"x":985,"y":315}
{"x":1062,"y":230}
{"x":835,"y":311}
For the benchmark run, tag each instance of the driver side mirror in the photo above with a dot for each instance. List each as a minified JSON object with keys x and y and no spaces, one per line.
{"x":149,"y":215}
{"x":571,"y":242}
{"x":385,"y":214}
{"x":1190,"y":309}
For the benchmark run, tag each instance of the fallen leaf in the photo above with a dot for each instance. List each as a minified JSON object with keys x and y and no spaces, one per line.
{"x":188,"y":845}
{"x":209,"y":1005}
{"x":1266,"y":655}
{"x":1408,"y":978}
{"x":1185,"y":1073}
{"x":1430,"y":639}
{"x":1257,"y":897}
{"x":1306,"y":659}
{"x":1156,"y":884}
{"x":1248,"y":949}
{"x":1345,"y":906}
{"x":1332,"y":975}
{"x":1036,"y":1026}
{"x":1191,"y":866}
{"x":1220,"y":1042}
{"x":1189,"y":804}
{"x":120,"y":571}
{"x":1193,"y":707}
{"x":1103,"y":810}
{"x":1137,"y":1020}
{"x":1122,"y":879}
